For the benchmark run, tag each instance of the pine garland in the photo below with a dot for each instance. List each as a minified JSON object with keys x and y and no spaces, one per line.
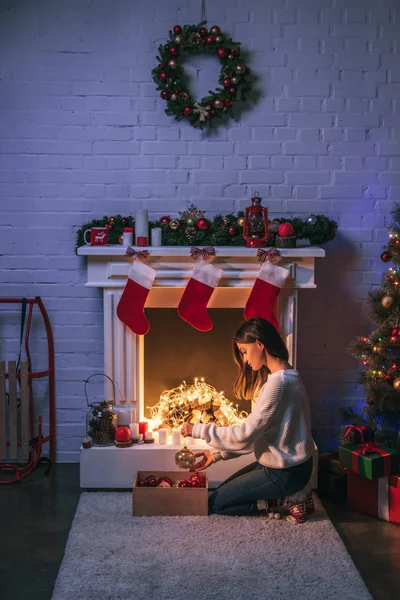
{"x":221,"y":230}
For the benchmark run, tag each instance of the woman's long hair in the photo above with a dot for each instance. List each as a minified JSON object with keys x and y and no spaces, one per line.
{"x":248,"y":382}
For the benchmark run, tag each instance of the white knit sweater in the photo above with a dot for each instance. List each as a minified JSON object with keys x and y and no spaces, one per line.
{"x":278,"y":430}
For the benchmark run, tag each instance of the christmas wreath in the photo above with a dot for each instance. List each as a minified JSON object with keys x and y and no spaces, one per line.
{"x":170,"y":77}
{"x":193,"y":227}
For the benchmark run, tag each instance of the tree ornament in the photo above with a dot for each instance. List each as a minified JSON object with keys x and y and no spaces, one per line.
{"x":185,"y":458}
{"x":388,"y":378}
{"x":202,"y":224}
{"x":215,"y":30}
{"x":111,"y":220}
{"x":234,"y":52}
{"x":109,"y":226}
{"x":396,"y":332}
{"x":370,"y":401}
{"x":124,"y":221}
{"x":225,"y":222}
{"x":120,"y":239}
{"x":387,"y":301}
{"x":188,"y":111}
{"x":177,"y":29}
{"x":386,"y":256}
{"x":165,"y":220}
{"x":174,"y":225}
{"x":183,"y":44}
{"x":219,"y":39}
{"x":234,"y":80}
{"x":192,"y":213}
{"x":285,"y":230}
{"x":232,"y":231}
{"x":240,"y":222}
{"x":396,"y":384}
{"x":190,"y":222}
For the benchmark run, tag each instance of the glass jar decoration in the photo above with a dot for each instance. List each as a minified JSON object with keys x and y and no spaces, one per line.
{"x":255,"y":230}
{"x":101,"y":419}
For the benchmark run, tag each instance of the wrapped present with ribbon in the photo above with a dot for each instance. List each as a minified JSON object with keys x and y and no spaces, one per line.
{"x":359,"y":434}
{"x":378,"y":498}
{"x":369,"y":460}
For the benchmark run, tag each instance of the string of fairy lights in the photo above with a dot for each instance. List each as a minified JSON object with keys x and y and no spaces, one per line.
{"x":199,"y":402}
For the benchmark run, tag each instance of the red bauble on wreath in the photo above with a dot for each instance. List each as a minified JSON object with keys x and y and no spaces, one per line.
{"x":202,"y":224}
{"x":285,"y":230}
{"x":192,"y":39}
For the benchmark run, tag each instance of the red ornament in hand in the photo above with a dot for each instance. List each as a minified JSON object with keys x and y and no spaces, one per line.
{"x":285,"y":230}
{"x":123,"y":434}
{"x":202,"y":224}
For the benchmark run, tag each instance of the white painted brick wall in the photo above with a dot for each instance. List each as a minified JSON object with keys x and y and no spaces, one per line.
{"x":83,"y":133}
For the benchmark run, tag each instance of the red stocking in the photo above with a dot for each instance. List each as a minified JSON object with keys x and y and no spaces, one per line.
{"x":130,"y":309}
{"x":267,"y":286}
{"x":193,"y":305}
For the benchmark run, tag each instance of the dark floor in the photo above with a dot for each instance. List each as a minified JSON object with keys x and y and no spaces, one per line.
{"x":36,"y":514}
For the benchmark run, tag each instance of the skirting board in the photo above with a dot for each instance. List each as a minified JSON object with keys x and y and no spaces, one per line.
{"x":115,"y":468}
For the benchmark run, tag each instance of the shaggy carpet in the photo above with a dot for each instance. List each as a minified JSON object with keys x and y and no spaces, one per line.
{"x":111,"y":555}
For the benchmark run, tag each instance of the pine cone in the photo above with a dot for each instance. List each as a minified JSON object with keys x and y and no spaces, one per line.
{"x":190,"y":233}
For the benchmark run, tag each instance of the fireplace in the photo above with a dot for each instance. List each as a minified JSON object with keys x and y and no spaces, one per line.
{"x":125,"y":353}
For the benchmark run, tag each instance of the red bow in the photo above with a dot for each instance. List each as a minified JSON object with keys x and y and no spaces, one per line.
{"x":367,"y":449}
{"x":204,"y":253}
{"x":359,"y":428}
{"x":140,"y":254}
{"x":264,"y":255}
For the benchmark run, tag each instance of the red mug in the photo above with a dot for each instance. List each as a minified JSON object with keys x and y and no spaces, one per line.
{"x":98,"y":236}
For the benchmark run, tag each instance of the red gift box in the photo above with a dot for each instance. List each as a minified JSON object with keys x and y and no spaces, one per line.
{"x":377,"y":497}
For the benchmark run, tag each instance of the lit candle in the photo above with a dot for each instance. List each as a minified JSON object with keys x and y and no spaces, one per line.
{"x":162,"y":436}
{"x":134,"y":427}
{"x":149,"y":437}
{"x":142,"y":223}
{"x":143,"y":427}
{"x":124,"y":415}
{"x":156,"y":236}
{"x":176,"y":437}
{"x":141,"y":440}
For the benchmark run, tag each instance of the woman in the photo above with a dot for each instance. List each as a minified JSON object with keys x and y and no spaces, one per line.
{"x":277,"y":431}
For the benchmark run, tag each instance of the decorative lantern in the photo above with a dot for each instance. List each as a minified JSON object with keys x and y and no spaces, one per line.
{"x":255,"y":230}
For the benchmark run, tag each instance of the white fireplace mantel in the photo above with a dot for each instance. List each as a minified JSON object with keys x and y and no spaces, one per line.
{"x":108,"y":268}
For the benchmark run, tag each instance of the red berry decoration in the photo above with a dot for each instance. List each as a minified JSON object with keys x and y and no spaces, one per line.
{"x":202,"y":224}
{"x":285,"y":230}
{"x":210,"y":39}
{"x":228,"y":102}
{"x":386,"y":256}
{"x":227,"y":83}
{"x":123,"y":434}
{"x":222,"y":52}
{"x":232,"y":231}
{"x":174,"y":51}
{"x":165,"y":95}
{"x":165,"y":220}
{"x":177,"y":29}
{"x":234,"y":52}
{"x":163,"y":76}
{"x":203,"y":32}
{"x":188,"y":111}
{"x":232,"y":91}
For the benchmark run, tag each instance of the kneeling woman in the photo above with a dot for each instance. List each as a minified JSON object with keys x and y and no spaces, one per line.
{"x":278,"y":431}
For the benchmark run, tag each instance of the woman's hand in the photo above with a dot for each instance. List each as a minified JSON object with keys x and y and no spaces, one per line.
{"x":187,"y":429}
{"x":205,"y":462}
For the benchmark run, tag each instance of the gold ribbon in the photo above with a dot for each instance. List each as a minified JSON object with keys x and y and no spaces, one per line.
{"x":204,"y":253}
{"x":140,"y":254}
{"x":201,"y":110}
{"x":264,"y":255}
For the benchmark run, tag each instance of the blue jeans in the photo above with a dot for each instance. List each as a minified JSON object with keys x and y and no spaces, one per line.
{"x":238,"y":495}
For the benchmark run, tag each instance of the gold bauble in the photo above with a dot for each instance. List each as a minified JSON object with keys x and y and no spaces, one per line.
{"x":185,"y":458}
{"x":387,"y":301}
{"x":396,"y":384}
{"x":174,"y":225}
{"x":120,"y":239}
{"x":240,"y":221}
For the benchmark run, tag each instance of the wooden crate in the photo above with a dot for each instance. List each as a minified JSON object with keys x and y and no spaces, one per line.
{"x":168,"y":502}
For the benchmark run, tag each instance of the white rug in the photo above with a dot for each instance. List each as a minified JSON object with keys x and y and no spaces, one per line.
{"x":111,"y":555}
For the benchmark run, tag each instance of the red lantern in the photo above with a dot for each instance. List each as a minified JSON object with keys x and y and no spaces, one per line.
{"x":255,"y":230}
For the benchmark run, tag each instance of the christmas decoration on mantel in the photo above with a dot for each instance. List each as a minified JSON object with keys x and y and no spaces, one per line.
{"x":196,"y":403}
{"x":194,"y":228}
{"x":171,"y":80}
{"x":379,"y":352}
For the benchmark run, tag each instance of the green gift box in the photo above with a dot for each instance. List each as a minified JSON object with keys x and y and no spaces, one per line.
{"x":370,"y":460}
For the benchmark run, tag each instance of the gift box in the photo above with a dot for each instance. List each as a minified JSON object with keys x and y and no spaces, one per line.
{"x":168,"y":502}
{"x":377,"y":498}
{"x":359,"y":434}
{"x":369,"y":460}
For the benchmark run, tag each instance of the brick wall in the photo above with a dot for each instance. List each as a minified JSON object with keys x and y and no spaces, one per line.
{"x":83,"y":133}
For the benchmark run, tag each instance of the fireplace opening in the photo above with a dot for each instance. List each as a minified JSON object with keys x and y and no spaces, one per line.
{"x":175,"y":352}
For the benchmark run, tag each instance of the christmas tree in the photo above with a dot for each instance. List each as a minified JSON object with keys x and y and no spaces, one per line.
{"x":379,"y":352}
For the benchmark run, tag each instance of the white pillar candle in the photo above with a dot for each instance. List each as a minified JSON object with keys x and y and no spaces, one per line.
{"x":162,"y":436}
{"x":140,"y":440}
{"x":124,"y":415}
{"x":156,"y":236}
{"x":142,"y":223}
{"x":149,"y":435}
{"x":176,"y":437}
{"x":134,"y":427}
